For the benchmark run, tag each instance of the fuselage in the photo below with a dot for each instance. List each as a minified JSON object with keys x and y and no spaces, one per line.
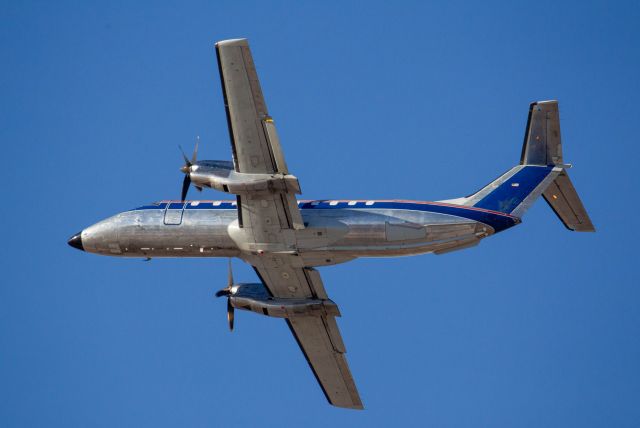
{"x":335,"y":231}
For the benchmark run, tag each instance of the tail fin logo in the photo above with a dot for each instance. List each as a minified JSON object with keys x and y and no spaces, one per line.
{"x":508,"y":205}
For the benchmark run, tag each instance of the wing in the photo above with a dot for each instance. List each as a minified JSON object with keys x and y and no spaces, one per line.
{"x":319,"y":339}
{"x":318,"y":336}
{"x":254,"y":143}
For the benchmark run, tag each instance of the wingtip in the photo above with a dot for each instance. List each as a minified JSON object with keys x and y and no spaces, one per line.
{"x":543,"y":102}
{"x":352,"y":406}
{"x":232,"y":42}
{"x":588,"y":229}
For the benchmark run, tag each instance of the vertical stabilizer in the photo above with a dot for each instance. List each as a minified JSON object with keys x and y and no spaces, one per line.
{"x":542,"y":144}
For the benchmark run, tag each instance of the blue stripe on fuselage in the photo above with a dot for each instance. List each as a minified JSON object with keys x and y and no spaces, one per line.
{"x":498,"y":221}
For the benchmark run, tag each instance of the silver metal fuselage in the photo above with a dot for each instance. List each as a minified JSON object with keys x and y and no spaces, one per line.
{"x":335,"y":232}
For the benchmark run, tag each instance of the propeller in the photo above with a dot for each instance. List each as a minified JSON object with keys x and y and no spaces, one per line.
{"x":228,"y":291}
{"x":186,"y":168}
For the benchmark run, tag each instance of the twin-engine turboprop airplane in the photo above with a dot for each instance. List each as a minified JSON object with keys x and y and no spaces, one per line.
{"x":285,"y":239}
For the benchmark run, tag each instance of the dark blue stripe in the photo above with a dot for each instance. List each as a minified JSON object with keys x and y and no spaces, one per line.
{"x":225,"y":205}
{"x":506,"y":197}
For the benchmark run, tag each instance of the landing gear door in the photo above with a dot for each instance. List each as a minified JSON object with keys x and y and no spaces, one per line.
{"x":173,"y":213}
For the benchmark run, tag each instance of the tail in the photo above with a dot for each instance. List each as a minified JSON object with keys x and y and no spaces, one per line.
{"x":541,"y":172}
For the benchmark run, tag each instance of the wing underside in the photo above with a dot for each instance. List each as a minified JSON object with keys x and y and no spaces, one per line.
{"x":330,"y":367}
{"x":254,"y":141}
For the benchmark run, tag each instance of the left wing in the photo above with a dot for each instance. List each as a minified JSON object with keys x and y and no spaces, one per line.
{"x":317,"y":335}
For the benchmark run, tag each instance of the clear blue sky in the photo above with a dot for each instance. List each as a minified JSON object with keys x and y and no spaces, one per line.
{"x":536,"y":327}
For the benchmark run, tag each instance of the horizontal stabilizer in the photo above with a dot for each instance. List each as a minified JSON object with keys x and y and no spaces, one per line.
{"x":565,"y":202}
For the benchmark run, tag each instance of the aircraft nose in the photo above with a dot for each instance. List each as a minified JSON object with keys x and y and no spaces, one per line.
{"x":76,"y":241}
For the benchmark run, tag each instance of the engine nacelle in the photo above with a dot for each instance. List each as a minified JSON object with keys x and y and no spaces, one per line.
{"x":255,"y":298}
{"x":229,"y":181}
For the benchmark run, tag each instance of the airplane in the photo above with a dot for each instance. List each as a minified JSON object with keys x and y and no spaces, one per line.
{"x":285,"y":239}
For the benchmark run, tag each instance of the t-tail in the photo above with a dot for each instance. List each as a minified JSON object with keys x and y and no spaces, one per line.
{"x":542,"y":171}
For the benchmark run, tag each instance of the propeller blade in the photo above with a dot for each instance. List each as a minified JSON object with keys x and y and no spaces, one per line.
{"x":185,"y":186}
{"x":230,"y":314}
{"x":194,"y":157}
{"x":186,"y":159}
{"x":230,"y":277}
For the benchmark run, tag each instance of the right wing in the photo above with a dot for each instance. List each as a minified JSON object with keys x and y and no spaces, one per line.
{"x":254,"y":143}
{"x":318,"y":336}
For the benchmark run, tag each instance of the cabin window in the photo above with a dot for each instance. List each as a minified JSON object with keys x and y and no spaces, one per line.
{"x":195,"y":203}
{"x":352,"y":203}
{"x":333,"y":203}
{"x":216,"y":203}
{"x":369,"y":203}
